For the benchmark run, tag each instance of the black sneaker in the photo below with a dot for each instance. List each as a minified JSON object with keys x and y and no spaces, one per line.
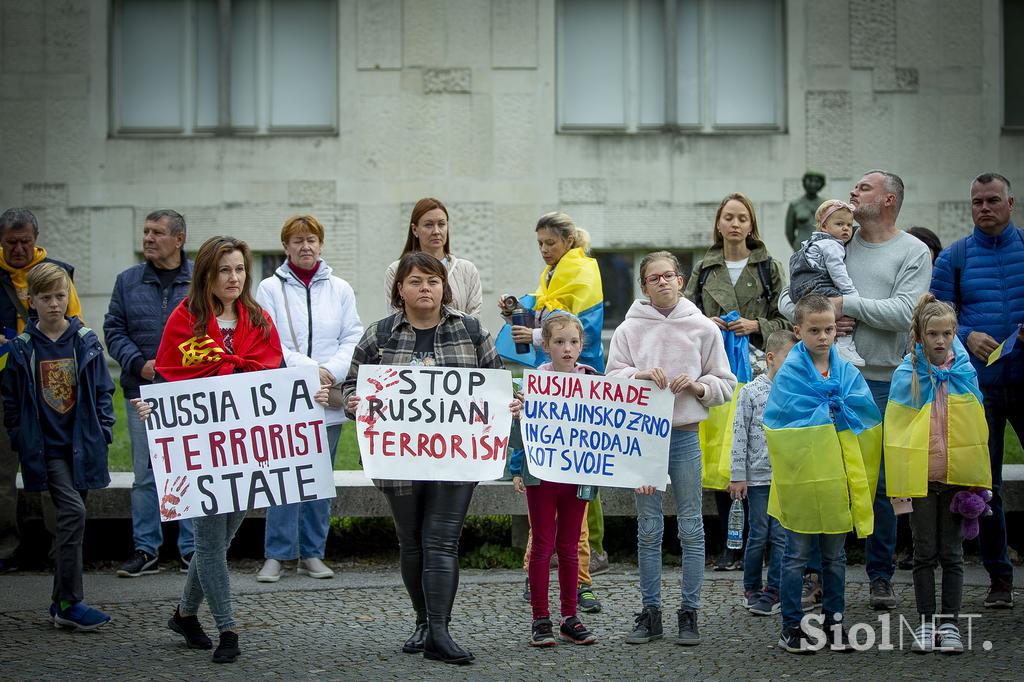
{"x":881,"y":595}
{"x":543,"y":633}
{"x":184,"y":561}
{"x":227,"y":649}
{"x":794,"y":640}
{"x":647,"y":626}
{"x":688,"y":634}
{"x":189,"y":628}
{"x":573,"y":630}
{"x":141,"y":563}
{"x":586,"y":600}
{"x":526,"y":591}
{"x":1000,"y":594}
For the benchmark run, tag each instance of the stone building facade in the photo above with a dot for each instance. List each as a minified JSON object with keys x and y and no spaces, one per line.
{"x":466,"y":100}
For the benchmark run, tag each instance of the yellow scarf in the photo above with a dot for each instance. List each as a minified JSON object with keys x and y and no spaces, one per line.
{"x":19,"y":277}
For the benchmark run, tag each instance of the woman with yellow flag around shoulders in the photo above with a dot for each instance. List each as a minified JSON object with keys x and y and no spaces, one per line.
{"x":936,"y":443}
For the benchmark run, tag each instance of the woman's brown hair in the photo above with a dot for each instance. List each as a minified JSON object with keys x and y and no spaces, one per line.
{"x":754,"y":238}
{"x":201,"y":301}
{"x":412,"y":242}
{"x":426,"y":264}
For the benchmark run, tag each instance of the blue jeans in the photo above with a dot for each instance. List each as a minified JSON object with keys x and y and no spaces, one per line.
{"x":1002,"y":404}
{"x":880,"y":548}
{"x":146,"y":528}
{"x":208,"y":575}
{"x":764,"y":530}
{"x":799,"y":548}
{"x":300,"y":529}
{"x":684,"y":470}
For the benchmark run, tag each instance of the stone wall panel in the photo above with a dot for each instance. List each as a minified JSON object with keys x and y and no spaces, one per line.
{"x":514,"y":34}
{"x":379,"y":34}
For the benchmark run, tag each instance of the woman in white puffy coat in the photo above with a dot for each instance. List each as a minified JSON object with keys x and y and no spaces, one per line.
{"x":315,"y":314}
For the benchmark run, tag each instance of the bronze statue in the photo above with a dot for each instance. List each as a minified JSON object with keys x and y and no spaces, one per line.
{"x":800,"y":216}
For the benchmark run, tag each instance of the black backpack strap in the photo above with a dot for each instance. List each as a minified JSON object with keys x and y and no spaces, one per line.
{"x":702,"y":278}
{"x":957,"y":258}
{"x":764,"y":271}
{"x":18,"y":305}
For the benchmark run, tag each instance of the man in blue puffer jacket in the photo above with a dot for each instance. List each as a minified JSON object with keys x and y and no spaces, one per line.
{"x":144,"y":296}
{"x":982,"y":275}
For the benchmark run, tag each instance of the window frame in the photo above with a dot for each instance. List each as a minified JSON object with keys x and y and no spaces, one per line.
{"x":631,"y":71}
{"x":188,"y":114}
{"x":1009,"y":128}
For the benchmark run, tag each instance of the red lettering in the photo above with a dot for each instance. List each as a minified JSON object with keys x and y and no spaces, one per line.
{"x":237,"y":437}
{"x":190,"y":453}
{"x":162,"y":442}
{"x":316,"y":429}
{"x":434,"y":448}
{"x":422,"y":440}
{"x":403,"y":444}
{"x":457,"y":446}
{"x":276,"y":441}
{"x":217,"y":439}
{"x":387,"y":443}
{"x":531,"y":383}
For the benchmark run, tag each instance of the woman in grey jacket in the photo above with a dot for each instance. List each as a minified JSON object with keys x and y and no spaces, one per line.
{"x":428,"y":232}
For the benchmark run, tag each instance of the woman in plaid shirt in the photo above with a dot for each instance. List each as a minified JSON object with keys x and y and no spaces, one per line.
{"x":428,"y":514}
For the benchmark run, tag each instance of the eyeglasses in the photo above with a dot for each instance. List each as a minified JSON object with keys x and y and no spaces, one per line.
{"x":667,"y":276}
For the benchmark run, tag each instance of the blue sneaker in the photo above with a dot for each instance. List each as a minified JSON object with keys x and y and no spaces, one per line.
{"x":80,"y":616}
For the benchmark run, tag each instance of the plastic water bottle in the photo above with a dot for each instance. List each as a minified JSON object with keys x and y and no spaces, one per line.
{"x":734,"y":538}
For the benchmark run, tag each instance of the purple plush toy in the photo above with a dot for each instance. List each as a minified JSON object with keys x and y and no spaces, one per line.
{"x":971,"y":504}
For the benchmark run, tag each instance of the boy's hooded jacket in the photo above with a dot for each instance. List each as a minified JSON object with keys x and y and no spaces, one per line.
{"x":684,"y":342}
{"x":825,"y":445}
{"x":908,"y":425}
{"x":94,"y":409}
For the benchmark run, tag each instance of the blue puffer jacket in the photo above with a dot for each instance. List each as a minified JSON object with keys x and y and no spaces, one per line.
{"x":94,"y":411}
{"x":992,"y":293}
{"x":136,"y":318}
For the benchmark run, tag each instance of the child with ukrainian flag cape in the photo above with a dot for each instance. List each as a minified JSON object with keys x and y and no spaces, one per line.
{"x":824,"y":436}
{"x":936,"y":444}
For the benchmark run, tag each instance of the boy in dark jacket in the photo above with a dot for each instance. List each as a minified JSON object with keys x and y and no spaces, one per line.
{"x":59,"y":412}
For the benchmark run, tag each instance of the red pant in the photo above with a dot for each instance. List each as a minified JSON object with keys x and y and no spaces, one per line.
{"x":556,"y":515}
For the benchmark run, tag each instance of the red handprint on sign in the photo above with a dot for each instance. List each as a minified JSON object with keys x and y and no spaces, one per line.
{"x":172,"y":496}
{"x":388,"y":375}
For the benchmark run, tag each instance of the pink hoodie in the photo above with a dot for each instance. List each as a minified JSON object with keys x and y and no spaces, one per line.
{"x":685,"y":342}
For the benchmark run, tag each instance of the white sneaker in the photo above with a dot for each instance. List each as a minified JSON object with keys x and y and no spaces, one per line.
{"x":847,"y":351}
{"x":270,"y":573}
{"x":315,"y":568}
{"x":924,"y":639}
{"x":949,"y":641}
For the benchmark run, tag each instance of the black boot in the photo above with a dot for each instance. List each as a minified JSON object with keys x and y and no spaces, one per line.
{"x":439,"y":645}
{"x":414,"y":645}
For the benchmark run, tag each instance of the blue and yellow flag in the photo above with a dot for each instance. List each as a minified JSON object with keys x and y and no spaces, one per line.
{"x":716,"y":431}
{"x":5,"y":349}
{"x":575,"y":287}
{"x":908,"y":426}
{"x":825,"y":445}
{"x":1006,"y":347}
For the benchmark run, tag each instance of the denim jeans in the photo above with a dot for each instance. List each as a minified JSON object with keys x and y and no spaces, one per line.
{"x":880,"y":548}
{"x":1002,"y":404}
{"x":208,"y":572}
{"x":684,"y":470}
{"x":300,"y":529}
{"x":764,"y":530}
{"x":799,"y":548}
{"x":145,"y":501}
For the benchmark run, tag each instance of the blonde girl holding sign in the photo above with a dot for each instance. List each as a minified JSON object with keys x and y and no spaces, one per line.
{"x":667,"y":340}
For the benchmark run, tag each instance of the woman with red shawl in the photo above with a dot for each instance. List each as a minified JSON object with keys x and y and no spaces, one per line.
{"x":218,"y":329}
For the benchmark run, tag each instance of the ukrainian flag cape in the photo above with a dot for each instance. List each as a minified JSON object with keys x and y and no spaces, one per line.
{"x":575,"y":287}
{"x":825,"y":445}
{"x":716,"y":431}
{"x":908,"y":425}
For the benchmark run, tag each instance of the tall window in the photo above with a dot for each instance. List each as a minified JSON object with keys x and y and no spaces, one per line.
{"x":702,"y":65}
{"x":224,"y":66}
{"x":1013,"y":65}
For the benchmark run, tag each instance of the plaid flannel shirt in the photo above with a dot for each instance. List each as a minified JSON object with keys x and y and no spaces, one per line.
{"x":459,"y":341}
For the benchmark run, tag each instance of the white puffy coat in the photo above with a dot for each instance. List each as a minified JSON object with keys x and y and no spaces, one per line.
{"x":324,"y":321}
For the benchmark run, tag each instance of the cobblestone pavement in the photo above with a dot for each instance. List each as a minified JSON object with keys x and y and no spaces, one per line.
{"x":352,"y":628}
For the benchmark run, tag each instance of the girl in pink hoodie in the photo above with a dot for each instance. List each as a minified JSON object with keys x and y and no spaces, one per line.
{"x":667,"y":340}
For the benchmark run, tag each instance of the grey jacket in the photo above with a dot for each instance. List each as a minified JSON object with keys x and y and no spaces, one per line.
{"x":819,"y":267}
{"x":750,"y":461}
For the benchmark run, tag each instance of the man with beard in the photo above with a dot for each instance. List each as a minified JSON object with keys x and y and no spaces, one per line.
{"x":890,"y":269}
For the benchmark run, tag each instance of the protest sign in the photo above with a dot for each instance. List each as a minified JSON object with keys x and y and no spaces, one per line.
{"x":595,"y":430}
{"x":433,"y":423}
{"x":237,"y":442}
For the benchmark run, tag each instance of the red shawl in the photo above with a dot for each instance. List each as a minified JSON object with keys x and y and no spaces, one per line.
{"x":183,"y":355}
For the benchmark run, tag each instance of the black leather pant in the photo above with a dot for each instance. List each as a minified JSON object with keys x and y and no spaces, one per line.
{"x":429,"y":523}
